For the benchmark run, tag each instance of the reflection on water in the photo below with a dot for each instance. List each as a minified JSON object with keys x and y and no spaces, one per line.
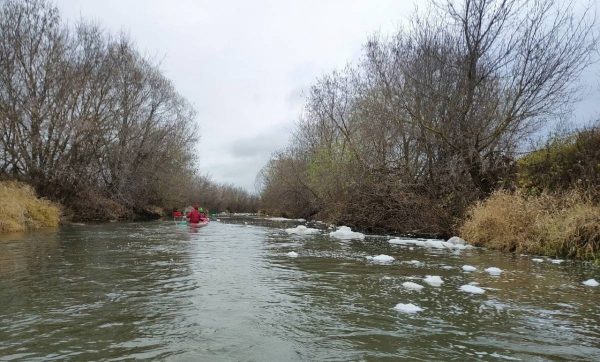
{"x":229,"y":292}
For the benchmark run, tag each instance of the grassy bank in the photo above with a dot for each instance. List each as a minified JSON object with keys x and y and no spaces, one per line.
{"x":21,"y":209}
{"x":561,"y":225}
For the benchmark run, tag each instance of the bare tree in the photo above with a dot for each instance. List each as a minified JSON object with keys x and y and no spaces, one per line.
{"x":430,"y":119}
{"x":495,"y":71}
{"x":84,"y":116}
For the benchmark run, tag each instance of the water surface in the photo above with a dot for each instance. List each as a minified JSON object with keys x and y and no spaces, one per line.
{"x":229,"y":292}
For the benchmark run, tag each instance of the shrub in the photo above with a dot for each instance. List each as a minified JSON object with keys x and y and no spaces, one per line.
{"x":20,"y":209}
{"x":560,"y":225}
{"x":567,"y":162}
{"x":90,"y":205}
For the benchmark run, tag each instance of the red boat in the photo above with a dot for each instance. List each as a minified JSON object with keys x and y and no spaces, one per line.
{"x":199,"y":224}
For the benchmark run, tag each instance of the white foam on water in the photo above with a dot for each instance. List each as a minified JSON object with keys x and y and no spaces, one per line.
{"x":430,"y":243}
{"x":591,"y":283}
{"x":467,"y":288}
{"x":398,"y":241}
{"x":494,"y":271}
{"x":501,"y":356}
{"x":408,"y":308}
{"x":381,"y":259}
{"x":537,"y":260}
{"x":283,"y":219}
{"x":345,"y":233}
{"x":292,"y":254}
{"x":413,"y":286}
{"x":557,"y":261}
{"x":302,"y":230}
{"x":468,"y":268}
{"x":434,"y":280}
{"x":456,"y":241}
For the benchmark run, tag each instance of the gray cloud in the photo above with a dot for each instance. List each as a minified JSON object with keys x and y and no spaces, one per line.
{"x":260,"y":145}
{"x":296,"y":97}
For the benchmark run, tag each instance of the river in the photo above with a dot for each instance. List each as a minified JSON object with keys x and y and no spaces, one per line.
{"x":230,"y":292}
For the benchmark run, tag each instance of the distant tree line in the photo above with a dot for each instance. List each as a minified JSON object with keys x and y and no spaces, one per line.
{"x":431,"y":119}
{"x":218,"y":197}
{"x":88,"y":120}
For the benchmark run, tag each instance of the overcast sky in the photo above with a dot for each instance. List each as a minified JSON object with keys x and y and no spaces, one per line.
{"x":244,"y":65}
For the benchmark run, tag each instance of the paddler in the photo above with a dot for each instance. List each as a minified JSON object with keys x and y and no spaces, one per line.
{"x":203,"y":216}
{"x":177,"y":215}
{"x":194,"y":216}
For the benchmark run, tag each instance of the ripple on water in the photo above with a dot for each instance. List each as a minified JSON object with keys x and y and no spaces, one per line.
{"x":163,"y":291}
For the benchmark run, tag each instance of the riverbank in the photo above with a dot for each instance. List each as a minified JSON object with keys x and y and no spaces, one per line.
{"x":560,"y":225}
{"x":549,"y":204}
{"x":21,"y":209}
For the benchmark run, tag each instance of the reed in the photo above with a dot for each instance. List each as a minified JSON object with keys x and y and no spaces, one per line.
{"x":559,"y":225}
{"x":21,"y":209}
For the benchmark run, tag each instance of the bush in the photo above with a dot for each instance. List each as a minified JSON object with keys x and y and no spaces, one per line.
{"x":20,"y":209}
{"x":567,"y":162}
{"x":90,"y":205}
{"x":560,"y":225}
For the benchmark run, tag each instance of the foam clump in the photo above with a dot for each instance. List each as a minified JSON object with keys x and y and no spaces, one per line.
{"x":538,"y":260}
{"x":412,"y":286}
{"x":455,"y":240}
{"x":302,"y":230}
{"x":468,"y":288}
{"x":591,"y":283}
{"x":494,"y":271}
{"x":434,"y":280}
{"x":408,"y":308}
{"x":557,"y":261}
{"x":283,"y":219}
{"x":345,"y":233}
{"x":381,"y":259}
{"x":430,"y":243}
{"x":292,"y":254}
{"x":468,"y":268}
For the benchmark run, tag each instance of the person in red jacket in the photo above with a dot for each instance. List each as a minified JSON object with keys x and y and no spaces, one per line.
{"x":194,"y":216}
{"x":203,"y":216}
{"x":177,"y":215}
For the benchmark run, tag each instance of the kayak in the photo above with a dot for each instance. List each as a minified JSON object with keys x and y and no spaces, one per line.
{"x":198,"y":224}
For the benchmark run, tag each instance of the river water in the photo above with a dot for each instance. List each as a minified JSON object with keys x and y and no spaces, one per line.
{"x":230,"y":292}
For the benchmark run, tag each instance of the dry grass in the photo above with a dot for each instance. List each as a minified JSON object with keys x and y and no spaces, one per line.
{"x":21,"y":209}
{"x":566,"y":225}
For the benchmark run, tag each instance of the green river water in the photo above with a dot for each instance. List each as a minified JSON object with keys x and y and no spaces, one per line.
{"x":230,"y":292}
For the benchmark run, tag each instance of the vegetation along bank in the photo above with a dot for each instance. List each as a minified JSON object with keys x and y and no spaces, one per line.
{"x":425,"y":134}
{"x":21,"y":209}
{"x":91,"y":123}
